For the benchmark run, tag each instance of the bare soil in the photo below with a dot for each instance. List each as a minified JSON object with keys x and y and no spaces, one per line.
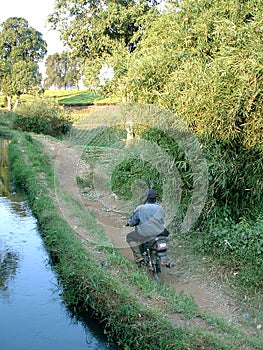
{"x":190,"y":275}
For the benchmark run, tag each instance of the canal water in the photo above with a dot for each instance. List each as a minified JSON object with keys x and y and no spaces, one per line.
{"x":32,"y":314}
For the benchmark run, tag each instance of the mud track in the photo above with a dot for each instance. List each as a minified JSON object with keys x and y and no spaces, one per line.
{"x":207,"y":294}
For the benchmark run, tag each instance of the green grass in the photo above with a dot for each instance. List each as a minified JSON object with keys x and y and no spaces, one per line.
{"x":23,"y":99}
{"x":86,"y":99}
{"x":80,"y":99}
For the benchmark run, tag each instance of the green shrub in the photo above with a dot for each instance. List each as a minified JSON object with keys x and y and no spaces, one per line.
{"x":236,"y":180}
{"x":43,"y":116}
{"x":128,"y":171}
{"x":239,"y":246}
{"x":5,"y":118}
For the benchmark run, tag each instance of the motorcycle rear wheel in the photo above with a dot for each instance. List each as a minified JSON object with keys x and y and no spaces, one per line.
{"x":159,"y":270}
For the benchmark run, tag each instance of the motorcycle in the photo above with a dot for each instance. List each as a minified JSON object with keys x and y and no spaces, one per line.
{"x":154,"y":253}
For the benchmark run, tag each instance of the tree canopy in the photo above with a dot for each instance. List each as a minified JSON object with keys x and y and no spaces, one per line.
{"x":94,"y":28}
{"x":21,"y":48}
{"x":102,"y":32}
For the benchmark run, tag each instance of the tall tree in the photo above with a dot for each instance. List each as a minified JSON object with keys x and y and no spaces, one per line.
{"x":97,"y":30}
{"x":24,"y":77}
{"x":21,"y":48}
{"x":62,"y":70}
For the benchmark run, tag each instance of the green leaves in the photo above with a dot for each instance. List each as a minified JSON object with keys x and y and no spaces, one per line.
{"x":18,"y":41}
{"x":204,"y":62}
{"x":93,"y":29}
{"x":21,"y":78}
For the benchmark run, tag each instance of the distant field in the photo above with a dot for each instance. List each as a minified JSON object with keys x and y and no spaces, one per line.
{"x":84,"y":98}
{"x":69,"y":98}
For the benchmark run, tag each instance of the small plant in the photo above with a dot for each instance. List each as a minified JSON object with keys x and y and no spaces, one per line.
{"x":43,"y":116}
{"x":85,"y":182}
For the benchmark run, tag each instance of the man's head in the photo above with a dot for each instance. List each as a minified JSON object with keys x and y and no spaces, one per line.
{"x":150,"y":195}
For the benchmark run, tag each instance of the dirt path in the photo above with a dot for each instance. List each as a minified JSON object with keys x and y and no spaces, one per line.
{"x":207,"y":295}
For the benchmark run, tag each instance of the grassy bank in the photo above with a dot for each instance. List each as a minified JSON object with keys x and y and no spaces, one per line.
{"x":135,"y":311}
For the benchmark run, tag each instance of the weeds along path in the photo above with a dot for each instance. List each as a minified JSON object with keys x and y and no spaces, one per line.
{"x":184,"y":278}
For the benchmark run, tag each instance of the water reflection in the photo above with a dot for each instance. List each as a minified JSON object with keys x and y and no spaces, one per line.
{"x":8,"y":268}
{"x":5,"y":188}
{"x":9,"y":253}
{"x":13,"y":217}
{"x":30,"y":295}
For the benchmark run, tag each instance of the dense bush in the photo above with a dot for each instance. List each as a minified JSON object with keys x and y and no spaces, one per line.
{"x":43,"y":116}
{"x":232,"y":231}
{"x":236,"y":180}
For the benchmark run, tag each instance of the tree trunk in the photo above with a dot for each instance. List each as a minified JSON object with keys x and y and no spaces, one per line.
{"x":16,"y":103}
{"x":9,"y":106}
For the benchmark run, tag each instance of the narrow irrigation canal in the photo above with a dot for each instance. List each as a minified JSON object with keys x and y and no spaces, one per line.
{"x":32,"y":314}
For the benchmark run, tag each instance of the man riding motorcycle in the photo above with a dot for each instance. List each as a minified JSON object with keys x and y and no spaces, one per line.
{"x":148,"y":220}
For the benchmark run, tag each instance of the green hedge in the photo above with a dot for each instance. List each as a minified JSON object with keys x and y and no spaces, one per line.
{"x":43,"y":116}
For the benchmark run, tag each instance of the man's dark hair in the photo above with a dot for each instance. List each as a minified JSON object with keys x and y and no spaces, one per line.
{"x":151,"y":196}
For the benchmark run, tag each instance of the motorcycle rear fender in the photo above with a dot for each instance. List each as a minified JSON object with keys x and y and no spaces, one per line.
{"x":155,"y":243}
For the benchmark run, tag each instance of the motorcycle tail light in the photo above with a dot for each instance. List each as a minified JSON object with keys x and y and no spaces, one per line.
{"x":162,"y":245}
